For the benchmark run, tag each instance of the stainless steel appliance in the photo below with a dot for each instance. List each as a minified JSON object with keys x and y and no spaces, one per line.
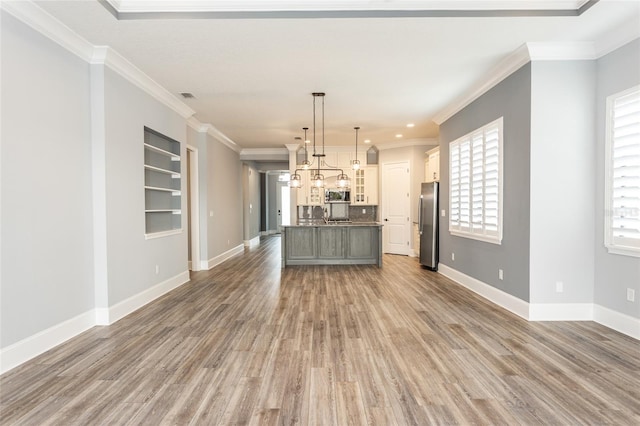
{"x":334,"y":195}
{"x":428,"y":225}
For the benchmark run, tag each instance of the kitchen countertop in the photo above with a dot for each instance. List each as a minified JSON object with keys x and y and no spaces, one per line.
{"x":317,"y":222}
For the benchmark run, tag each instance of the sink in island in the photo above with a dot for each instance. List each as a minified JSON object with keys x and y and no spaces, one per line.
{"x":339,"y":243}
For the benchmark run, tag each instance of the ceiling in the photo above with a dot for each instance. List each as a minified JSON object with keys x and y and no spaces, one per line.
{"x":252,"y":65}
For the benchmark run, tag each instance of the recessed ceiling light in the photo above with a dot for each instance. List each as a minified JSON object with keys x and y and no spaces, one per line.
{"x":367,"y":141}
{"x":410,"y":125}
{"x":398,"y":135}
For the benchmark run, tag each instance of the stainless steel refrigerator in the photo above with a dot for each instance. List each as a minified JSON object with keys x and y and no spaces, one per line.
{"x":428,"y":225}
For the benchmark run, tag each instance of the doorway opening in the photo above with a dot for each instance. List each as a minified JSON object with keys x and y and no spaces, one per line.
{"x":193,"y":219}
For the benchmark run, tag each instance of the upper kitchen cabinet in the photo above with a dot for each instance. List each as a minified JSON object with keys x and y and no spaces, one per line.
{"x":341,"y":160}
{"x":309,"y":195}
{"x":432,"y":166}
{"x":364,"y":186}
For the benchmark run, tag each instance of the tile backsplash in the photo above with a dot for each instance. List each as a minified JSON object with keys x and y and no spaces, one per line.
{"x":356,"y":213}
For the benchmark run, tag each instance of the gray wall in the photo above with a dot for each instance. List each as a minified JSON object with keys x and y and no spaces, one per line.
{"x":510,"y":99}
{"x":224,"y":198}
{"x":562,"y":179}
{"x":614,"y":273}
{"x":46,"y":221}
{"x":251,"y":200}
{"x":55,"y":106}
{"x":131,"y":258}
{"x":220,"y":190}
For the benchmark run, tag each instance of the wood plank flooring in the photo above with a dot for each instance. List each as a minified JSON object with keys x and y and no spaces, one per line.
{"x":250,"y":343}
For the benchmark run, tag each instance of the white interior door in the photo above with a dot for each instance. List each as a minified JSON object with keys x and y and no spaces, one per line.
{"x":283,"y":195}
{"x":396,"y":232}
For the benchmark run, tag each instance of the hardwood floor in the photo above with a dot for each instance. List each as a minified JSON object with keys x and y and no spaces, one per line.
{"x":250,"y":343}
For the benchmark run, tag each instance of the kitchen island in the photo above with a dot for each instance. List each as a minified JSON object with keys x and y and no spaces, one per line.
{"x":320,"y":243}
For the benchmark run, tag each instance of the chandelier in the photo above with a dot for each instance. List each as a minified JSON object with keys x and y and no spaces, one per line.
{"x":317,"y":178}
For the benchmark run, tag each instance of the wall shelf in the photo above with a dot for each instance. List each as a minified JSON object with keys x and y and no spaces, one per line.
{"x":162,"y":185}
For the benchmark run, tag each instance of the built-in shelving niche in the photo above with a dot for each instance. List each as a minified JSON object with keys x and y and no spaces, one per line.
{"x":162,"y":183}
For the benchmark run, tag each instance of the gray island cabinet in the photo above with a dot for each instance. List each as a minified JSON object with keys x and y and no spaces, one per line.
{"x":332,"y":244}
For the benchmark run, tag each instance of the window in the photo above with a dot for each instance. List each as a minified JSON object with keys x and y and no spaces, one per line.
{"x":475,"y":192}
{"x":622,"y":174}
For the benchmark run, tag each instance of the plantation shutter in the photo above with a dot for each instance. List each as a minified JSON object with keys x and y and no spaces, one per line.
{"x":625,"y":170}
{"x":475,"y":173}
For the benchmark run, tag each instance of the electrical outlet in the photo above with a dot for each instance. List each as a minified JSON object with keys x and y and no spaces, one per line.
{"x":443,"y":213}
{"x":559,"y":286}
{"x":631,"y":295}
{"x":157,"y":269}
{"x":364,"y":211}
{"x":500,"y":274}
{"x":453,"y":256}
{"x":228,"y":242}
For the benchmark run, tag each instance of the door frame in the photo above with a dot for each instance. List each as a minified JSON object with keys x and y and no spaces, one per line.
{"x":408,"y":226}
{"x":194,"y":208}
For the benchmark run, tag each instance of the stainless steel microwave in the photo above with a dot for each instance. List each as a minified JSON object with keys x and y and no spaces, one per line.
{"x":332,"y":195}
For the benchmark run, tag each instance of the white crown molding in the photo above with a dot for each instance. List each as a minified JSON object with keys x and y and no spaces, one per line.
{"x":145,"y":6}
{"x":196,"y":125}
{"x":222,"y":138}
{"x":506,"y":67}
{"x":526,"y":53}
{"x":264,"y":154}
{"x":566,"y":51}
{"x":405,"y":143}
{"x":109,"y":57}
{"x":624,"y":33}
{"x":41,"y":21}
{"x":543,"y":51}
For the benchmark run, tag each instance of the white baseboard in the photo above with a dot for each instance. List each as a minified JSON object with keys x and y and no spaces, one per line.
{"x":124,"y":308}
{"x":560,"y":312}
{"x":254,"y":242}
{"x":26,"y":349}
{"x":547,"y":311}
{"x":499,"y":297}
{"x":208,"y":264}
{"x":615,"y":320}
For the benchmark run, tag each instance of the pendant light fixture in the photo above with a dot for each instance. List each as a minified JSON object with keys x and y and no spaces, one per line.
{"x":317,"y":178}
{"x":306,"y":164}
{"x":355,"y":163}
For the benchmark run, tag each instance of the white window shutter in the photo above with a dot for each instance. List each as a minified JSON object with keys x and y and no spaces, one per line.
{"x":623,"y":225}
{"x":475,"y":184}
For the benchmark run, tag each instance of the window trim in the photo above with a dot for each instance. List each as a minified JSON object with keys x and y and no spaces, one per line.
{"x":612,"y":247}
{"x":493,"y":239}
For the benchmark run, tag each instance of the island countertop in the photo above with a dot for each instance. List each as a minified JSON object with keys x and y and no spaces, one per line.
{"x":332,"y":243}
{"x":316,"y":222}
